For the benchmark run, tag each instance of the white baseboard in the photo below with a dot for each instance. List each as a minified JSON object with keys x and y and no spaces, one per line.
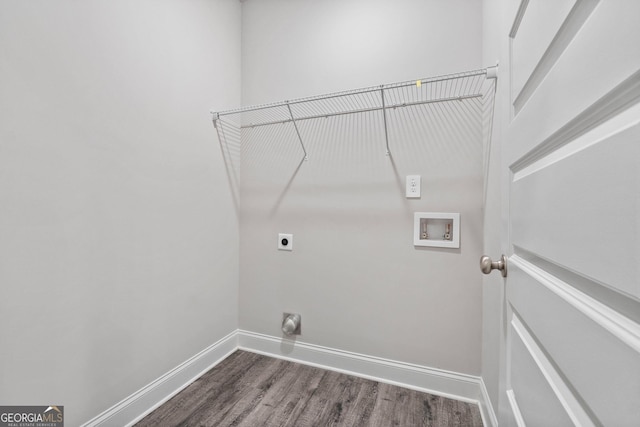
{"x":453,"y":385}
{"x":139,"y":404}
{"x":462,"y":387}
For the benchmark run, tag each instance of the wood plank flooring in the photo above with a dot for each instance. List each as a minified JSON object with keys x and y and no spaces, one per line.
{"x":249,"y":390}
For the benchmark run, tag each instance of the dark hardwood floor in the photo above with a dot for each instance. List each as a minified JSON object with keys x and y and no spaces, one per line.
{"x":249,"y":390}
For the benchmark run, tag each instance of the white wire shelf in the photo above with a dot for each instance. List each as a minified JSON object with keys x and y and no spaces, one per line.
{"x":446,"y":88}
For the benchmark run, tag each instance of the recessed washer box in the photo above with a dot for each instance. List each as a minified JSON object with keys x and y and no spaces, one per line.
{"x":436,"y":229}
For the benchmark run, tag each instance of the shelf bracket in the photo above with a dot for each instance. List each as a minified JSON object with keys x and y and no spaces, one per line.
{"x":216,"y":117}
{"x":384,"y":116}
{"x":306,"y":157}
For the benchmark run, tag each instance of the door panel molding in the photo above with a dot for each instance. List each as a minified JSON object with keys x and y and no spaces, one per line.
{"x":599,"y":59}
{"x":517,"y":20}
{"x":573,"y":22}
{"x":515,"y":409}
{"x":615,"y":300}
{"x":621,"y":97}
{"x":535,"y":31}
{"x":535,"y":396}
{"x":599,"y":368}
{"x":615,"y":323}
{"x":600,"y":133}
{"x":568,"y":204}
{"x":563,"y":392}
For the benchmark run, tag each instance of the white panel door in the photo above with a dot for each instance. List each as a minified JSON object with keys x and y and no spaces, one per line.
{"x":572,"y":163}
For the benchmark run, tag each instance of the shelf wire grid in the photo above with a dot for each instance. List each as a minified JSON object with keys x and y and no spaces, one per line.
{"x":389,"y":102}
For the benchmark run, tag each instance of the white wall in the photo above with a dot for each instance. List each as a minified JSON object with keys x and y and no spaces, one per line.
{"x":354,"y":274}
{"x":297,"y":48}
{"x":119,"y":247}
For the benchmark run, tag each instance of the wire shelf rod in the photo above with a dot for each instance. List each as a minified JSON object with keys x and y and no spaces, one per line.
{"x":433,"y":80}
{"x":364,"y":110}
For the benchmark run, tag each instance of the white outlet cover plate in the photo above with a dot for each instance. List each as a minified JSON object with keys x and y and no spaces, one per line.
{"x":413,"y":186}
{"x":289,"y":245}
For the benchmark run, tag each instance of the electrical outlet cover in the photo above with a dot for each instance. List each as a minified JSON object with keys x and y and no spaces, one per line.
{"x":413,"y":187}
{"x":285,"y":242}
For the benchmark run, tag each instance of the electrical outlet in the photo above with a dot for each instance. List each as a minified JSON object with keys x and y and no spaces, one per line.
{"x":413,"y":186}
{"x":285,"y":242}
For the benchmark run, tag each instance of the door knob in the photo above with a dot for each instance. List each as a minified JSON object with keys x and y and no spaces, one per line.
{"x":486,"y":265}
